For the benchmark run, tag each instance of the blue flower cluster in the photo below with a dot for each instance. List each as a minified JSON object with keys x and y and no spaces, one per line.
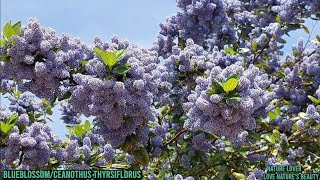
{"x":214,"y":115}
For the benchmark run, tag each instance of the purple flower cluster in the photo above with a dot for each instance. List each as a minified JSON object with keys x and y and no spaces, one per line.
{"x":41,"y":59}
{"x":35,"y":146}
{"x":120,"y":107}
{"x":208,"y":112}
{"x":204,"y":21}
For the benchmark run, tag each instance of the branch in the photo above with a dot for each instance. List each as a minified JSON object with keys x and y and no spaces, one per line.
{"x":261,"y":51}
{"x":312,"y":53}
{"x":176,"y":136}
{"x":294,"y":136}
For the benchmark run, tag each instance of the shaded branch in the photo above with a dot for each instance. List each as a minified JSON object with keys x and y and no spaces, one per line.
{"x":294,"y":136}
{"x":176,"y":136}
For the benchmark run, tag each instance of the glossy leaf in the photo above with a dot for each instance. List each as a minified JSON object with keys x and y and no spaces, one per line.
{"x":122,"y":69}
{"x":230,"y":85}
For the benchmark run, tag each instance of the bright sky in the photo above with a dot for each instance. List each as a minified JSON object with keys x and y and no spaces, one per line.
{"x":135,"y":20}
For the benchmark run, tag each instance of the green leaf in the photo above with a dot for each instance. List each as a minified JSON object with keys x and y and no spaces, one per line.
{"x":93,"y":159}
{"x":70,"y":128}
{"x":21,"y":127}
{"x":109,"y":58}
{"x":310,"y":123}
{"x":277,"y":111}
{"x":142,"y":156}
{"x":5,"y":58}
{"x":120,"y":54}
{"x":276,"y":135}
{"x":254,"y":46}
{"x":218,"y":83}
{"x":239,"y":176}
{"x":294,"y":26}
{"x":13,"y":119}
{"x":302,"y":26}
{"x":303,"y":115}
{"x":84,"y":62}
{"x":86,"y":126}
{"x":122,"y":69}
{"x":66,"y":95}
{"x":211,"y":91}
{"x":17,"y":94}
{"x":17,"y":25}
{"x":153,"y":124}
{"x":78,"y":130}
{"x":235,"y":99}
{"x":5,"y":128}
{"x":44,"y":102}
{"x":295,"y":53}
{"x":216,"y":88}
{"x":7,"y":30}
{"x":95,"y":149}
{"x":268,"y":137}
{"x":48,"y":110}
{"x":314,"y":100}
{"x":278,"y":19}
{"x":230,"y":85}
{"x":318,"y":37}
{"x":253,"y":135}
{"x":244,"y":50}
{"x":230,"y":51}
{"x":229,"y":149}
{"x":272,"y":115}
{"x":295,"y":119}
{"x":2,"y":42}
{"x":282,"y":41}
{"x":15,"y":30}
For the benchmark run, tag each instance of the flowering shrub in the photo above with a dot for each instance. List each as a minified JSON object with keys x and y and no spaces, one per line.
{"x":212,"y":98}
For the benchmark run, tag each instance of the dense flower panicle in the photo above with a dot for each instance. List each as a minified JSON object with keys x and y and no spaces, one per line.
{"x":180,"y":177}
{"x":204,"y":21}
{"x":42,"y":59}
{"x":120,"y":106}
{"x":310,"y":66}
{"x":289,"y":91}
{"x":72,"y":151}
{"x":181,"y":69}
{"x":296,"y":153}
{"x":266,"y":29}
{"x":130,"y":159}
{"x":257,"y":174}
{"x":24,"y":103}
{"x":36,"y":143}
{"x":86,"y":151}
{"x":200,"y":143}
{"x":77,"y":166}
{"x":185,"y":161}
{"x":68,"y":116}
{"x":108,"y":152}
{"x":231,"y":118}
{"x":219,"y":145}
{"x":313,"y":113}
{"x":157,"y":152}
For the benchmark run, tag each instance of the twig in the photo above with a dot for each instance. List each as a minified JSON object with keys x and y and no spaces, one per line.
{"x":308,"y":41}
{"x":176,"y":136}
{"x":294,"y":136}
{"x":261,"y":51}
